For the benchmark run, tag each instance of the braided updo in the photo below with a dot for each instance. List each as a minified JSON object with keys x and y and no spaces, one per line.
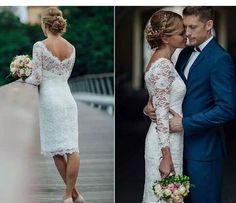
{"x":52,"y":17}
{"x":162,"y":23}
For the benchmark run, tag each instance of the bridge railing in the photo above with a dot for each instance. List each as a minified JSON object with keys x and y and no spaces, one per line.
{"x":96,"y":90}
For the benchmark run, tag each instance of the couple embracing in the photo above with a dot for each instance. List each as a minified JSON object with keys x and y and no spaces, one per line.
{"x":188,"y":103}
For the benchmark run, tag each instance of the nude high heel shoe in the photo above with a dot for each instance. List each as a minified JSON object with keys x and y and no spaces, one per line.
{"x":79,"y":199}
{"x":68,"y":200}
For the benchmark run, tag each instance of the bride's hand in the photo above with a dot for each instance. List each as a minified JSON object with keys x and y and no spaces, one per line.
{"x":166,"y":167}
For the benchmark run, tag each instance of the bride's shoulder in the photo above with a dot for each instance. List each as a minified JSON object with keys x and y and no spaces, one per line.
{"x":163,"y":63}
{"x":67,"y":43}
{"x":166,"y":62}
{"x":37,"y":44}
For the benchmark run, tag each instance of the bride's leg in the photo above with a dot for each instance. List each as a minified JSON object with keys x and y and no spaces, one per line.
{"x":72,"y":170}
{"x":61,"y":165}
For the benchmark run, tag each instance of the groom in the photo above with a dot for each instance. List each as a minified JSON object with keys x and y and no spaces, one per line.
{"x":208,"y":72}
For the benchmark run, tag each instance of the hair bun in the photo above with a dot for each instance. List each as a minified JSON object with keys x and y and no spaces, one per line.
{"x":58,"y":24}
{"x":161,"y":23}
{"x":151,"y":36}
{"x":52,"y":17}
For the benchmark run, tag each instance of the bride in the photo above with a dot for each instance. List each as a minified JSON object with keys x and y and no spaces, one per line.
{"x":53,"y":60}
{"x":163,"y":150}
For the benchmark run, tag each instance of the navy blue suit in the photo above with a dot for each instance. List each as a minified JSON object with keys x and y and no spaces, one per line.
{"x":209,"y":103}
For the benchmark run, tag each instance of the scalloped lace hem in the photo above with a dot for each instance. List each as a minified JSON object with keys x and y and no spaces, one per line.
{"x":60,"y":152}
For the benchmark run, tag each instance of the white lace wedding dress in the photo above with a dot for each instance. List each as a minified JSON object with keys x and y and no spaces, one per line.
{"x":167,"y":90}
{"x":57,"y":108}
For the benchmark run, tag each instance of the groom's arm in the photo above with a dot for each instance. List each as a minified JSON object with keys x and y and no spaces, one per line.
{"x":149,"y":110}
{"x":223,"y":88}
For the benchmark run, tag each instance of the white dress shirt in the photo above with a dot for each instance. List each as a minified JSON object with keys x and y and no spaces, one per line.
{"x":194,"y":56}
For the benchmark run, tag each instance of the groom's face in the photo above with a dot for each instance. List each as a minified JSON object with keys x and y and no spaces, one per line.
{"x":197,"y":31}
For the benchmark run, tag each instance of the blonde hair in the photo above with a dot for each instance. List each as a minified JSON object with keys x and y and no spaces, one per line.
{"x":162,"y":23}
{"x":52,"y":17}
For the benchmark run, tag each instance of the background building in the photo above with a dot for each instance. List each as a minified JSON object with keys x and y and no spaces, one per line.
{"x":34,"y":14}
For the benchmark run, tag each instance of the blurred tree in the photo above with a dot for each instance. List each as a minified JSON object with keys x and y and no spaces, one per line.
{"x":91,"y":31}
{"x":13,"y":40}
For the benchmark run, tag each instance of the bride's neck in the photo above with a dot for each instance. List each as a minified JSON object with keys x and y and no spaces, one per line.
{"x":52,"y":36}
{"x":165,"y":52}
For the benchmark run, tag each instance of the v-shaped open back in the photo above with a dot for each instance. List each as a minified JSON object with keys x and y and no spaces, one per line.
{"x":54,"y":55}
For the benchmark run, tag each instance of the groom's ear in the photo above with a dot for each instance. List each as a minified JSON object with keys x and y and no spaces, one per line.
{"x":209,"y":25}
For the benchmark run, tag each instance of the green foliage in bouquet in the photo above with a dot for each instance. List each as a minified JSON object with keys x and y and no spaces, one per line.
{"x":174,"y":179}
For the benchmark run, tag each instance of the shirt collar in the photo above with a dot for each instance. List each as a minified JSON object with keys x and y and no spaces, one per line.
{"x":202,"y":46}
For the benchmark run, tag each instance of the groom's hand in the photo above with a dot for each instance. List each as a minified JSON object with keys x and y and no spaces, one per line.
{"x":149,"y":110}
{"x":175,"y":122}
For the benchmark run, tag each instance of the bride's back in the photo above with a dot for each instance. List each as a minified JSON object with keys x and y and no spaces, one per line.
{"x":60,"y":48}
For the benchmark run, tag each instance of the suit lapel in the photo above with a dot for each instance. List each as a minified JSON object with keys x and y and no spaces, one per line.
{"x":201,"y":56}
{"x":184,"y":64}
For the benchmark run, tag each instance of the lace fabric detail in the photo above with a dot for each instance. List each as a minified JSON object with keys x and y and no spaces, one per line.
{"x":44,"y":59}
{"x":54,"y":64}
{"x":36,"y":77}
{"x":158,"y":80}
{"x":167,"y":90}
{"x":60,"y":152}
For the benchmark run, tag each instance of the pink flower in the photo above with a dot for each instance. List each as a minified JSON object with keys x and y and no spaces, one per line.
{"x":171,"y":187}
{"x":18,"y":73}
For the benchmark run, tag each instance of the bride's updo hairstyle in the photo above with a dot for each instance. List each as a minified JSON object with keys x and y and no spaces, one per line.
{"x":53,"y":19}
{"x":162,"y":23}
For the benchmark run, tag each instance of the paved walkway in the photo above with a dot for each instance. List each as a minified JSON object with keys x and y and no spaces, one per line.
{"x":95,"y":181}
{"x":96,"y":142}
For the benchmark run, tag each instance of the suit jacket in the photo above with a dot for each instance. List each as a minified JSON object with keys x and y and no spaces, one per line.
{"x":209,"y":101}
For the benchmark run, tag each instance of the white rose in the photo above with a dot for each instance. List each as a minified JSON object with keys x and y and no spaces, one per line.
{"x":13,"y":69}
{"x":27,"y":72}
{"x":15,"y":65}
{"x":17,"y":61}
{"x":167,"y":192}
{"x":187,"y":186}
{"x":22,"y":71}
{"x":30,"y":64}
{"x":158,"y":187}
{"x":177,"y":192}
{"x":158,"y":190}
{"x":182,"y":189}
{"x":178,"y":199}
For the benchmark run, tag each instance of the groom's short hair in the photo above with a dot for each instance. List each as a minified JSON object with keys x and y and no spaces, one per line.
{"x":205,"y":13}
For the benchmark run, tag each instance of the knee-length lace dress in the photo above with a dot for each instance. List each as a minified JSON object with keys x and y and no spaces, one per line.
{"x":58,"y":113}
{"x":167,"y":90}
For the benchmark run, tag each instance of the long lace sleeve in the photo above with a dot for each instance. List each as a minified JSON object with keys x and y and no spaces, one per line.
{"x":36,"y":76}
{"x":162,"y":78}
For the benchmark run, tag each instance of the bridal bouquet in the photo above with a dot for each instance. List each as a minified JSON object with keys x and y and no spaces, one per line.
{"x":172,"y":189}
{"x":21,"y":67}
